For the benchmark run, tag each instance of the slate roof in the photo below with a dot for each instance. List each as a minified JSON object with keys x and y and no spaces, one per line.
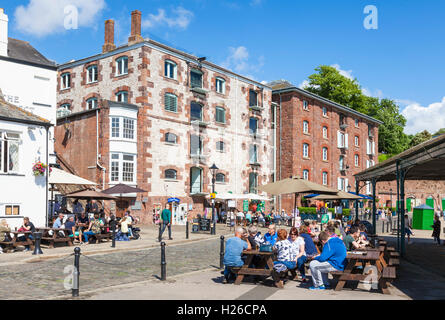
{"x":11,"y":112}
{"x":23,"y":51}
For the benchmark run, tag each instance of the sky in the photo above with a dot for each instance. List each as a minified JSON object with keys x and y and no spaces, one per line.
{"x":396,"y":50}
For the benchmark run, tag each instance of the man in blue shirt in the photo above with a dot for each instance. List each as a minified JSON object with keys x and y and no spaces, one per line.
{"x":271,"y":236}
{"x":332,"y":258}
{"x":234,"y":249}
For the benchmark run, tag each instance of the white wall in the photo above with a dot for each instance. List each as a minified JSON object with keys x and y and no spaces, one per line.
{"x":24,"y":188}
{"x":33,"y":89}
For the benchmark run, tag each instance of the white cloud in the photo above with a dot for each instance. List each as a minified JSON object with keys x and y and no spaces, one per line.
{"x":44,"y":17}
{"x":239,"y":61}
{"x":303,"y":84}
{"x":377,"y":93}
{"x":420,"y":118}
{"x":180,"y":18}
{"x":345,"y":73}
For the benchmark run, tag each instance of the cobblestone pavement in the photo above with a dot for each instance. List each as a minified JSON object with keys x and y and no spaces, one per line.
{"x":46,"y":279}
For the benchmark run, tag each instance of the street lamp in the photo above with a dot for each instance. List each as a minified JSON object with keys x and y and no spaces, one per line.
{"x":213,"y":169}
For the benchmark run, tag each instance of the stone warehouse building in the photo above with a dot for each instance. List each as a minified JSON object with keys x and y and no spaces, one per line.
{"x":321,"y":140}
{"x":151,"y":116}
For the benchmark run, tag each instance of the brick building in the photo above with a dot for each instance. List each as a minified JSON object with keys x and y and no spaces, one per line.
{"x":151,"y":116}
{"x":321,"y":140}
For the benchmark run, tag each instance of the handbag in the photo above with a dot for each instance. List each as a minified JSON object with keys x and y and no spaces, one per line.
{"x":267,"y":247}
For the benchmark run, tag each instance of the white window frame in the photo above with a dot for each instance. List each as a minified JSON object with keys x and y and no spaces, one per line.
{"x":169,"y":65}
{"x":324,"y":178}
{"x":324,"y":111}
{"x":169,"y":178}
{"x":306,"y":127}
{"x":94,"y":105}
{"x":306,"y":174}
{"x":65,"y":80}
{"x":305,"y":150}
{"x":357,"y":123}
{"x":218,"y":146}
{"x":341,"y":162}
{"x":120,"y":66}
{"x":341,"y":140}
{"x":325,"y":153}
{"x":120,"y":95}
{"x":92,"y":77}
{"x":220,"y":85}
{"x":357,"y":141}
{"x":121,"y":163}
{"x":305,"y":105}
{"x":121,"y":121}
{"x":5,"y":143}
{"x":216,"y":113}
{"x":325,"y":132}
{"x":172,"y":96}
{"x":356,"y":160}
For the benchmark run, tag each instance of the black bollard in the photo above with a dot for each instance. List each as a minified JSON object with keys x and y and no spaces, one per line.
{"x":383,"y":226}
{"x":38,"y":238}
{"x":163,"y":263}
{"x":187,"y":229}
{"x":76,"y":273}
{"x":221,"y":254}
{"x":113,"y":226}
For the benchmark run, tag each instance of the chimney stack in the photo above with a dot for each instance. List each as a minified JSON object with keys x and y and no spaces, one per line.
{"x":135,"y":28}
{"x":3,"y":33}
{"x":109,"y":37}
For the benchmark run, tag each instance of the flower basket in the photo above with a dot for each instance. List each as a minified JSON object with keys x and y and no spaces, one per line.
{"x":39,"y":169}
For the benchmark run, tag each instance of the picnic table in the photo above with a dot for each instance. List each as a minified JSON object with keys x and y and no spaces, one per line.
{"x":260,"y":270}
{"x":373,"y":257}
{"x":15,"y":242}
{"x":57,"y":235}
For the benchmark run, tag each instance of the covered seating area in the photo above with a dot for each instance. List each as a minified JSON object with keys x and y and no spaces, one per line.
{"x":425,"y":161}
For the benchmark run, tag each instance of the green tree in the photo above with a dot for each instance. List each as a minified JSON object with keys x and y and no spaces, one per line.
{"x":419,"y":138}
{"x":438,"y":133}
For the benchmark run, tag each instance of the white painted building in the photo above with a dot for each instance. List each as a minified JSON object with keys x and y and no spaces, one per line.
{"x":27,"y":79}
{"x":23,"y":142}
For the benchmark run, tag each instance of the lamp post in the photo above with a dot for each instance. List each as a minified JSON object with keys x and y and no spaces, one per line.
{"x":213,"y":168}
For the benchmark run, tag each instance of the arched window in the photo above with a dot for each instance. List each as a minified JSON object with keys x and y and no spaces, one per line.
{"x":305,"y":127}
{"x":170,"y":69}
{"x":196,"y":111}
{"x":121,"y":66}
{"x":306,"y":174}
{"x":171,"y":138}
{"x":325,"y":112}
{"x":220,"y":85}
{"x":325,"y":132}
{"x":305,"y":150}
{"x":92,"y":74}
{"x":325,"y":178}
{"x":325,"y":154}
{"x":92,"y":103}
{"x":170,"y":174}
{"x":66,"y":80}
{"x":122,"y":96}
{"x":220,"y":177}
{"x":356,"y":160}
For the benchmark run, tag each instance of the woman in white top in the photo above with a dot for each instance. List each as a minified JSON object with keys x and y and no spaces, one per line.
{"x":298,"y":252}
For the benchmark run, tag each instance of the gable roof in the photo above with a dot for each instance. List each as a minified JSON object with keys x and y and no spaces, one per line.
{"x":10,"y":112}
{"x":22,"y":52}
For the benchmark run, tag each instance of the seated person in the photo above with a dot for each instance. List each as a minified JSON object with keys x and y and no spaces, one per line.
{"x":332,"y":258}
{"x":93,"y":228}
{"x":249,"y":217}
{"x":337,"y":229}
{"x":83,"y":221}
{"x":234,"y":249}
{"x":70,"y":225}
{"x":309,"y":245}
{"x":285,"y":261}
{"x":254,"y":237}
{"x":124,"y":223}
{"x":352,"y":239}
{"x":58,"y":224}
{"x":363,"y":233}
{"x":297,"y":251}
{"x":4,"y":233}
{"x":271,"y":236}
{"x":27,"y":226}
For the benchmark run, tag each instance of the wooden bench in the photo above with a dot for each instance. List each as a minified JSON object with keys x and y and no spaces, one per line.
{"x":394,"y":262}
{"x":8,"y":245}
{"x":394,"y":254}
{"x":100,"y":236}
{"x":388,"y":275}
{"x":55,"y":237}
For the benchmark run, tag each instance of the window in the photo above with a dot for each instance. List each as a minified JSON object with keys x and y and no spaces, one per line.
{"x":220,"y":146}
{"x":196,"y":180}
{"x":122,"y":96}
{"x":341,"y":184}
{"x":370,"y":147}
{"x":170,"y":174}
{"x":170,"y":69}
{"x":115,"y":127}
{"x":128,"y":129}
{"x":66,"y":81}
{"x":253,"y":125}
{"x":325,"y":178}
{"x":63,"y":110}
{"x":128,"y":168}
{"x":171,"y":102}
{"x":305,"y":105}
{"x":305,"y":127}
{"x":356,"y":123}
{"x":342,"y":140}
{"x":325,"y":112}
{"x":65,"y":106}
{"x":305,"y":150}
{"x":9,"y":152}
{"x":356,"y":160}
{"x":195,"y":145}
{"x":356,"y":141}
{"x":370,"y":131}
{"x":342,"y":163}
{"x":114,"y":167}
{"x":253,"y":154}
{"x":220,"y":115}
{"x":171,"y":138}
{"x":325,"y":132}
{"x":253,"y":182}
{"x":196,"y":79}
{"x":306,"y":174}
{"x":122,"y":66}
{"x":220,"y":85}
{"x":12,"y":210}
{"x":92,"y":74}
{"x":253,"y":98}
{"x":325,"y":154}
{"x":196,"y":111}
{"x":92,"y":103}
{"x":220,"y":177}
{"x":342,"y":119}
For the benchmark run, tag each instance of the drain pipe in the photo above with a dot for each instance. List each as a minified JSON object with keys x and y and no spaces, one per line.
{"x":97,"y":150}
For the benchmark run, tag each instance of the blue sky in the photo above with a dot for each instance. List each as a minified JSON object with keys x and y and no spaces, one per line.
{"x":404,"y":59}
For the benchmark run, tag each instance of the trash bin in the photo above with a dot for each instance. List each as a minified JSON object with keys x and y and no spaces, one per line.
{"x":423,"y":217}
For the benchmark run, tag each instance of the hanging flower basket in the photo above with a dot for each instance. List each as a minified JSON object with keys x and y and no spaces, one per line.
{"x":39,"y":169}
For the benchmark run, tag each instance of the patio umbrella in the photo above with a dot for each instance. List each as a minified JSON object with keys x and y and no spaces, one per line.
{"x":90,"y":194}
{"x":295,"y":185}
{"x":122,"y":189}
{"x":341,"y":195}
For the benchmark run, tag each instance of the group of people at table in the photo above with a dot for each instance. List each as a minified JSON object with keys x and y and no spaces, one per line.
{"x":297,"y":247}
{"x":79,"y":227}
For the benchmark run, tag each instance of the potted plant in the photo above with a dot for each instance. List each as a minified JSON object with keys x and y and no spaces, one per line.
{"x":39,"y":169}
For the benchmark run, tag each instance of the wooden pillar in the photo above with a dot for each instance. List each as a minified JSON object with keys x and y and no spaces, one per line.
{"x":374,"y":207}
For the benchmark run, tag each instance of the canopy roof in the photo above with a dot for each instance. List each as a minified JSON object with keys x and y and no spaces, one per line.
{"x":90,"y":194}
{"x":58,"y":176}
{"x":295,"y":185}
{"x":122,"y":189}
{"x":341,"y":195}
{"x":425,"y":161}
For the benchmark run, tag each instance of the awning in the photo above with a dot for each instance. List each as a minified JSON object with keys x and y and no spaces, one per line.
{"x":61,"y":177}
